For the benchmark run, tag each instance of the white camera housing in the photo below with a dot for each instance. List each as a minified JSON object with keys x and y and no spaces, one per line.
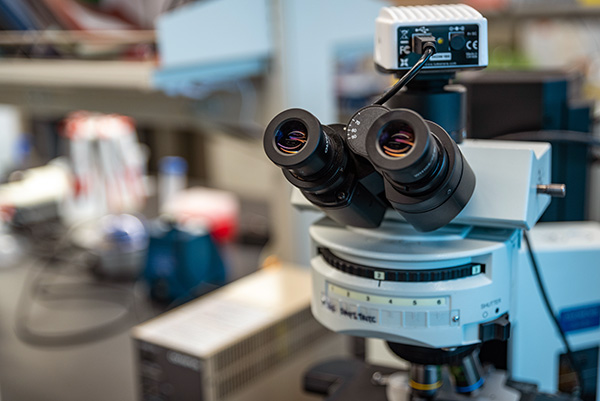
{"x":460,"y":32}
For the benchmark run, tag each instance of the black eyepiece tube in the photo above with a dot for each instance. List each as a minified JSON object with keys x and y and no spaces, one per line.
{"x":294,"y":140}
{"x":405,"y":150}
{"x":315,"y":159}
{"x":427,"y":180}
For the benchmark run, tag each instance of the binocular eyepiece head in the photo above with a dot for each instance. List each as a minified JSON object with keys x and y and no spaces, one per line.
{"x":416,"y":166}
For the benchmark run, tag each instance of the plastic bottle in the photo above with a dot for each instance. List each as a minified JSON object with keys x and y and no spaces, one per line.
{"x":172,"y":178}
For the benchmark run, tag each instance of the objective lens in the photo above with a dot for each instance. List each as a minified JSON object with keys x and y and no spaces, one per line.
{"x":397,"y":139}
{"x":468,"y":374}
{"x":291,"y":137}
{"x":425,"y":380}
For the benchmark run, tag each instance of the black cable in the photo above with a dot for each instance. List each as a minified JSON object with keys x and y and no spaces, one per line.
{"x":35,"y":288}
{"x":576,"y":367}
{"x":576,"y":137}
{"x":406,"y":78}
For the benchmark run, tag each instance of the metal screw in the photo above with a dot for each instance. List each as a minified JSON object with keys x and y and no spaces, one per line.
{"x":554,"y":190}
{"x":341,"y":195}
{"x":455,"y":318}
{"x":379,"y":379}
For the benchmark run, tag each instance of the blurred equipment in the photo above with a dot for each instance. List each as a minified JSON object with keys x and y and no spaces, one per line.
{"x":216,"y":210}
{"x":118,"y":242}
{"x":125,"y":246}
{"x":61,"y":304}
{"x":195,"y":27}
{"x":73,"y":29}
{"x":568,"y":254}
{"x":544,"y":106}
{"x":108,"y":165}
{"x":10,"y":123}
{"x":38,"y":195}
{"x":182,"y":263}
{"x":250,"y":340}
{"x":11,"y":247}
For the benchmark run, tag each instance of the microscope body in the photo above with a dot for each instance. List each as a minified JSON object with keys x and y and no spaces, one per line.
{"x":448,"y":290}
{"x":466,"y":266}
{"x":423,"y":229}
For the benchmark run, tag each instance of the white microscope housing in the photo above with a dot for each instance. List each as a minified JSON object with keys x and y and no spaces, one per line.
{"x":434,"y":289}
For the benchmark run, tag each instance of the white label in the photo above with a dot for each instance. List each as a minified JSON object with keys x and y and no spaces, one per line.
{"x":441,"y":57}
{"x":383,"y":300}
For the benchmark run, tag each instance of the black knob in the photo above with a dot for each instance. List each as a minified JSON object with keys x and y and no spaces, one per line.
{"x":457,"y":41}
{"x":498,"y":329}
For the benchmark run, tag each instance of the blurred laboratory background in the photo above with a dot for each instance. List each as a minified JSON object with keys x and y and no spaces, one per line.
{"x":133,"y":178}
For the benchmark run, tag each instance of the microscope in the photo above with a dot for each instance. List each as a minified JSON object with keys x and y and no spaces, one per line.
{"x":422,"y":226}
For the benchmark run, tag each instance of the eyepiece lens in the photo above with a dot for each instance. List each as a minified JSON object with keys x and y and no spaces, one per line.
{"x":396,"y":139}
{"x":291,"y":137}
